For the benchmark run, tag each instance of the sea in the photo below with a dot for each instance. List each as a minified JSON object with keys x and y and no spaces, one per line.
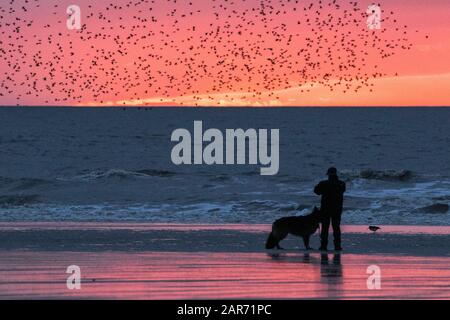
{"x":114,"y":165}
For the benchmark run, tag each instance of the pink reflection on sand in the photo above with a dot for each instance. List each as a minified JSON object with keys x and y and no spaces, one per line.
{"x":166,"y":275}
{"x":18,"y":226}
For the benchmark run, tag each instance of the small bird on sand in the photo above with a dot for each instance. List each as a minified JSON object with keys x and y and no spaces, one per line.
{"x":374,"y":228}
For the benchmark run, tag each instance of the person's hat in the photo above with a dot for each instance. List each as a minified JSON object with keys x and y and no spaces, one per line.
{"x":332,"y":171}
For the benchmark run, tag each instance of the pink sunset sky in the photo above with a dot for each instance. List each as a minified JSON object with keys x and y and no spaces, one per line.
{"x":225,"y":53}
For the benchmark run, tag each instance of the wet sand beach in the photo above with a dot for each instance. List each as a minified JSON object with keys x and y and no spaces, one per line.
{"x":163,"y":261}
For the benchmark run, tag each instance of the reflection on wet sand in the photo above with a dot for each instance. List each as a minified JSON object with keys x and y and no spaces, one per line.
{"x":331,"y":272}
{"x":208,"y":275}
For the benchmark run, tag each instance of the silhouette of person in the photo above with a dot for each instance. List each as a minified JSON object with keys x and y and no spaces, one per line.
{"x":331,"y":274}
{"x":332,"y":192}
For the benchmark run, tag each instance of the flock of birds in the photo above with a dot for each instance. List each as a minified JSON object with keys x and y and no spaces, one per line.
{"x":211,"y":50}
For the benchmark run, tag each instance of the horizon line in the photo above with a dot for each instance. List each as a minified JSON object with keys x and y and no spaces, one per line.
{"x":215,"y":107}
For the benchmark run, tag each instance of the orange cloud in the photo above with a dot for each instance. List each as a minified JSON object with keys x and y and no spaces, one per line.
{"x":419,"y":90}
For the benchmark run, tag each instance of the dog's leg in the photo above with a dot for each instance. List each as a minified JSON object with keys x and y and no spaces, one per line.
{"x":281,"y":237}
{"x":306,"y":242}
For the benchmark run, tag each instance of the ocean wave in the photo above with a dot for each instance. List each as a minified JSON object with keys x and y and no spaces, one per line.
{"x":119,"y":174}
{"x":20,"y":184}
{"x":384,"y":175}
{"x":434,"y":208}
{"x":18,"y":200}
{"x":220,"y":178}
{"x":156,"y":173}
{"x":378,"y":211}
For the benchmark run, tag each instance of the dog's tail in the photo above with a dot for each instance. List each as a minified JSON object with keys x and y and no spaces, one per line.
{"x":271,"y":241}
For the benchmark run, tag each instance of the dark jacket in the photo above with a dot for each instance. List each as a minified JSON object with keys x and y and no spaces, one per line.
{"x":332,"y":192}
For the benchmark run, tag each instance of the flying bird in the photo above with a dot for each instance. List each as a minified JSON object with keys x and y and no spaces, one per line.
{"x":180,"y":52}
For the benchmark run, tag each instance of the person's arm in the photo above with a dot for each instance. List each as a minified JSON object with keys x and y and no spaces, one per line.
{"x":344,"y":187}
{"x":319,"y":189}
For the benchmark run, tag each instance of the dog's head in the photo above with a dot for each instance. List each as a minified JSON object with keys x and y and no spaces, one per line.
{"x":317,"y":214}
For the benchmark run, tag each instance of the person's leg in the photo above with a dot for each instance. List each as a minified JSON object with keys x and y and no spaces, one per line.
{"x":336,"y":223}
{"x":324,"y":233}
{"x":306,"y":242}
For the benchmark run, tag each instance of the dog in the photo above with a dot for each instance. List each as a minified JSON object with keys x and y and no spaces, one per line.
{"x":304,"y":227}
